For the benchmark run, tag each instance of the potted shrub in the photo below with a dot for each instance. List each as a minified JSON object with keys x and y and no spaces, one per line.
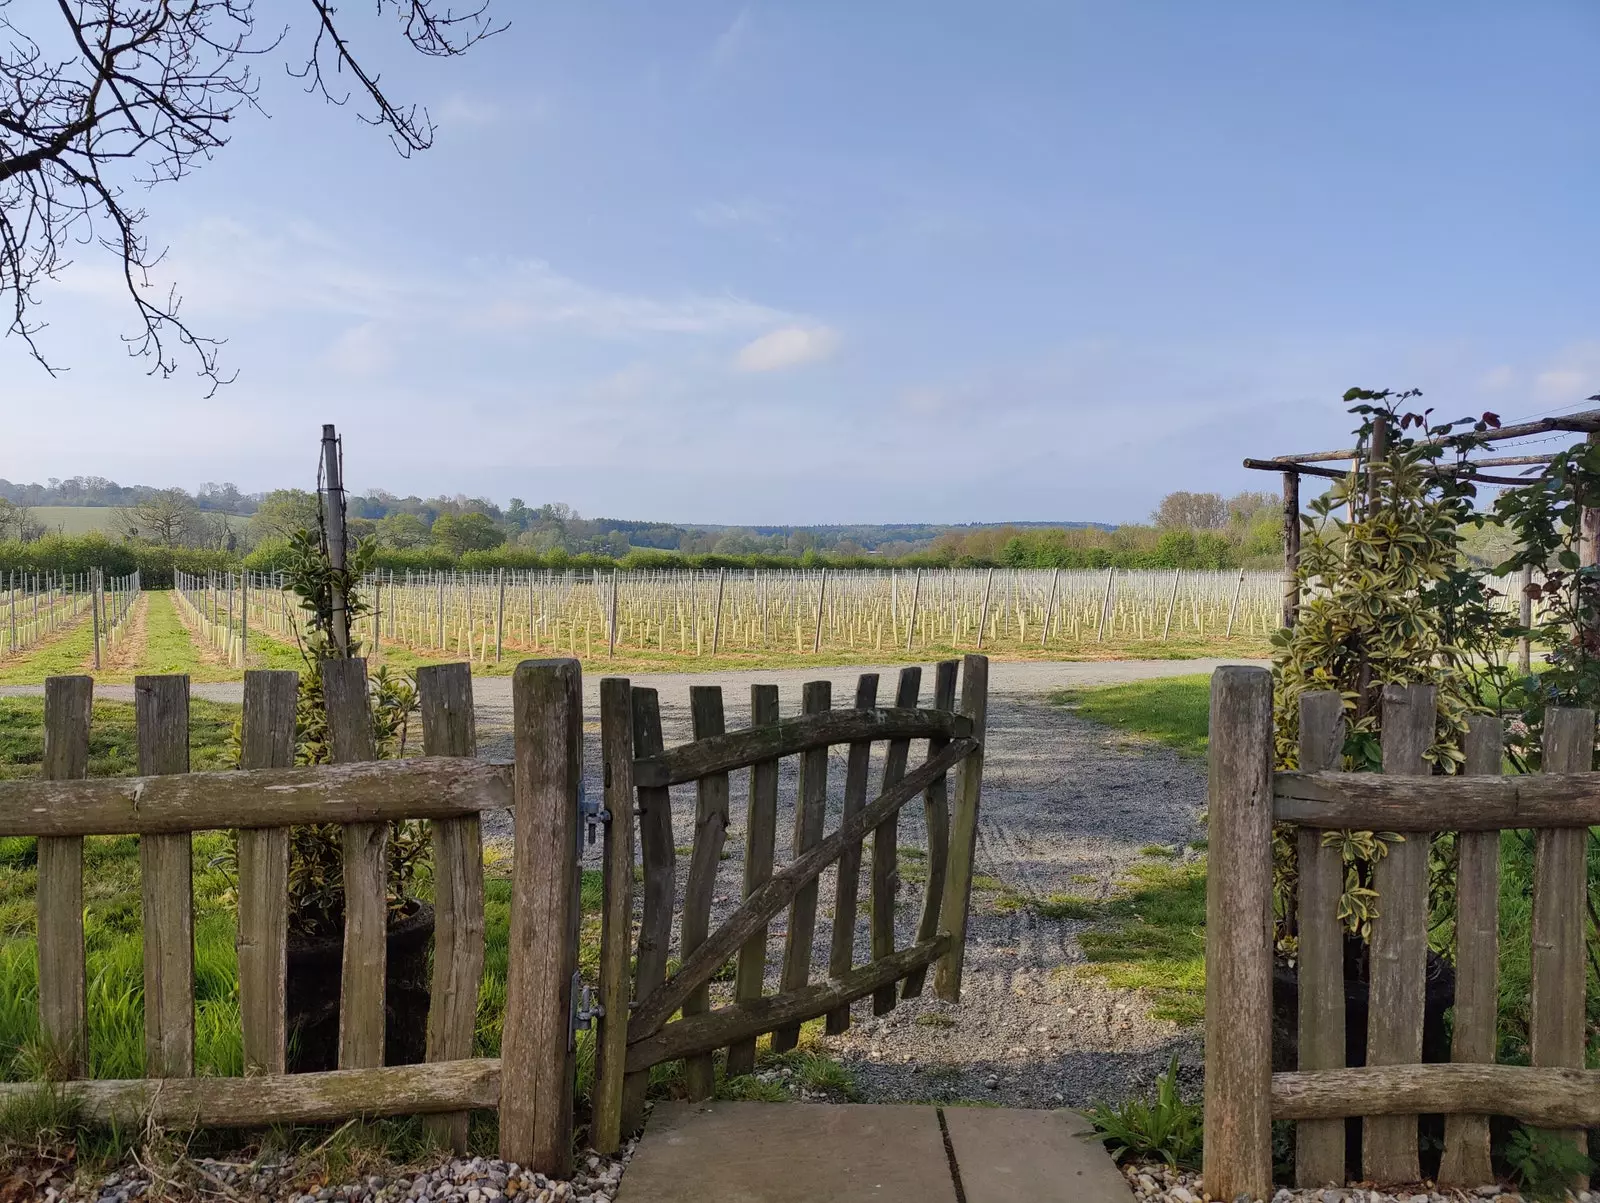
{"x":316,"y":864}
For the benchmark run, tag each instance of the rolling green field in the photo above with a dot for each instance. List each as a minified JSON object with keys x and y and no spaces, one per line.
{"x":86,"y":519}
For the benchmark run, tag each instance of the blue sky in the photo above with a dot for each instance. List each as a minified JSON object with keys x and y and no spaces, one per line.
{"x":832,"y":262}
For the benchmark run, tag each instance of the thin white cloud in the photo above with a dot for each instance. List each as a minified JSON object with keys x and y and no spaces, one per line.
{"x":787,"y":347}
{"x":459,"y":109}
{"x":1574,"y":375}
{"x":732,"y":40}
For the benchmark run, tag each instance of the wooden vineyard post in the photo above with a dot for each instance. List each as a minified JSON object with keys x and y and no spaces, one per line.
{"x":1050,"y":608}
{"x":847,"y":893}
{"x":983,"y":613}
{"x":886,"y":843}
{"x":1399,"y":938}
{"x":499,"y":621}
{"x":1238,"y":1004}
{"x":911,"y":623}
{"x":822,"y":597}
{"x":244,"y":618}
{"x":936,"y":814}
{"x":716,"y":620}
{"x":1172,"y":602}
{"x":710,"y":830}
{"x":538,"y":1060}
{"x":810,"y":817}
{"x":266,"y":742}
{"x":1233,"y":608}
{"x":1525,"y":618}
{"x":611,"y":634}
{"x":616,"y":739}
{"x":63,"y":1006}
{"x":760,"y":834}
{"x":1291,"y":548}
{"x":657,"y":852}
{"x":333,"y":507}
{"x":1105,"y":604}
{"x":366,"y":876}
{"x":1319,"y":1144}
{"x":1560,"y":889}
{"x":1466,"y":1137}
{"x":166,"y":870}
{"x":94,"y":614}
{"x":963,"y":832}
{"x":449,"y":728}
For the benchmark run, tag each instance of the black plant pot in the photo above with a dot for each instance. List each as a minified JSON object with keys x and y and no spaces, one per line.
{"x":312,"y":989}
{"x":1439,"y":998}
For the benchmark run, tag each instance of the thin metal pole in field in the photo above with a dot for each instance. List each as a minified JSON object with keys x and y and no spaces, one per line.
{"x":94,"y":615}
{"x":983,"y":615}
{"x":500,"y":618}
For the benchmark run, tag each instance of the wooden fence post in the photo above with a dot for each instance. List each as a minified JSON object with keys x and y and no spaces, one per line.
{"x":1560,"y":889}
{"x":1238,"y":1035}
{"x":847,"y":891}
{"x":963,"y":831}
{"x":63,"y":1005}
{"x":266,"y":742}
{"x":616,"y":921}
{"x":1291,"y":548}
{"x":449,"y":728}
{"x":1466,"y":1137}
{"x":760,"y":835}
{"x":1319,"y":1144}
{"x":810,"y":818}
{"x":886,"y":844}
{"x":659,"y":857}
{"x":1399,"y":950}
{"x":166,"y":871}
{"x":538,"y":1065}
{"x":366,"y":876}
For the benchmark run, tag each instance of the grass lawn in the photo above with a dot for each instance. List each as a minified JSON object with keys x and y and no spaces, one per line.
{"x":1172,"y":710}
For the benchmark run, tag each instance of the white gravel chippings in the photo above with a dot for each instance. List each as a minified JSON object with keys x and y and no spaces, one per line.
{"x":1159,"y":1184}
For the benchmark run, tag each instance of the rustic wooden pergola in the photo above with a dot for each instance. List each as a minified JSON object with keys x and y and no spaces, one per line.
{"x":1293,"y":467}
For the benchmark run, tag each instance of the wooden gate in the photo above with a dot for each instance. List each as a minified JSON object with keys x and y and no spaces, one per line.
{"x":636,"y":1009}
{"x":1242,"y":1094}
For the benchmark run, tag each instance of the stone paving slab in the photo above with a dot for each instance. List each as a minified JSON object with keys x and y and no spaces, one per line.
{"x":802,"y":1152}
{"x":789,"y":1153}
{"x":1007,"y":1154}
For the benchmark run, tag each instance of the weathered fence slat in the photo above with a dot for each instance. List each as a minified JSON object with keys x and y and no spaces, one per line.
{"x":1368,"y":802}
{"x":166,"y":871}
{"x":660,"y":882}
{"x":63,"y":1006}
{"x":1399,"y":950}
{"x":847,"y":891}
{"x":366,"y":876}
{"x":1466,"y":1137}
{"x":810,"y":817}
{"x":963,"y":831}
{"x":936,"y":815}
{"x":1238,"y":1004}
{"x":760,"y":835}
{"x":1550,"y":1098}
{"x":266,"y":742}
{"x":710,"y":831}
{"x":616,"y":920}
{"x":1319,"y":1144}
{"x":886,"y":844}
{"x":538,"y":1061}
{"x":1560,"y":895}
{"x":449,"y":728}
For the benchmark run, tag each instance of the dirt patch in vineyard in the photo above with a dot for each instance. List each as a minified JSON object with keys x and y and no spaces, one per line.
{"x":129,"y":653}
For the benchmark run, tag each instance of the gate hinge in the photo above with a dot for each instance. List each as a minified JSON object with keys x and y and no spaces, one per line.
{"x":584,"y":1010}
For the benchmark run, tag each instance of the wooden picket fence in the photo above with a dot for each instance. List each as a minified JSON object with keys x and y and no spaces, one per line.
{"x":1242,"y":1094}
{"x":531,"y":1083}
{"x":637,"y":1006}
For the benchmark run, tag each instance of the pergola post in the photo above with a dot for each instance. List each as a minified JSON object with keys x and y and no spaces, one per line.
{"x":1291,"y":548}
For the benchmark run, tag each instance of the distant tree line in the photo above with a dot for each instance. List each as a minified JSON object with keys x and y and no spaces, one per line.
{"x":219,"y":525}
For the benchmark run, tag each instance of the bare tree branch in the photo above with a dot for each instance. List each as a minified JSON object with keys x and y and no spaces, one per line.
{"x":140,"y":93}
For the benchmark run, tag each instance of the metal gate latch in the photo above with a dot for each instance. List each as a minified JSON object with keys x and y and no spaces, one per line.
{"x":592,"y":811}
{"x":584,"y":1010}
